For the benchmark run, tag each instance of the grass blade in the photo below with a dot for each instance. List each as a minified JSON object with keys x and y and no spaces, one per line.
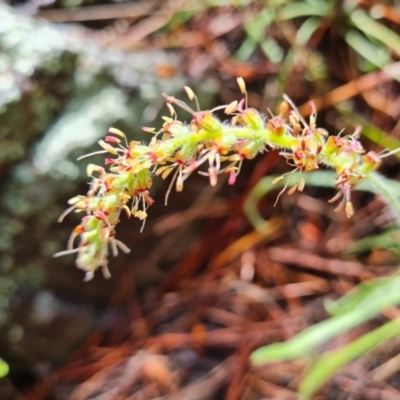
{"x":331,"y":362}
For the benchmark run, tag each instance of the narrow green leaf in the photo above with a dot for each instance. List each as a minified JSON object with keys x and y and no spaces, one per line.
{"x":387,"y":190}
{"x":303,"y":9}
{"x":388,"y":240}
{"x":264,"y":186}
{"x":374,"y":29}
{"x":331,"y":362}
{"x":307,"y":29}
{"x":362,"y":294}
{"x":377,"y":56}
{"x":304,"y":344}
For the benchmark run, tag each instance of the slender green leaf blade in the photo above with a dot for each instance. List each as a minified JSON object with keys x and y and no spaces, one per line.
{"x":331,"y":362}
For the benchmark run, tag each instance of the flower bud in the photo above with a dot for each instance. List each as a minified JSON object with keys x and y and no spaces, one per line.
{"x":371,"y":161}
{"x":241,"y":84}
{"x":115,"y":131}
{"x":148,"y":129}
{"x":277,"y":125}
{"x":189,"y":92}
{"x":90,"y":223}
{"x":231,"y":108}
{"x":232,"y":176}
{"x":252,"y":119}
{"x":205,"y":120}
{"x":107,"y":147}
{"x":112,"y":139}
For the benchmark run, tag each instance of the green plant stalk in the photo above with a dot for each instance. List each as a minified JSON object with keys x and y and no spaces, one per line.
{"x":304,"y":344}
{"x":255,"y":135}
{"x":373,"y":182}
{"x":362,"y":294}
{"x":265,"y":185}
{"x":332,"y":361}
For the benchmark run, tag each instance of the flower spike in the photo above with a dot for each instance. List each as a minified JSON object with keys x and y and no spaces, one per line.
{"x":124,"y":185}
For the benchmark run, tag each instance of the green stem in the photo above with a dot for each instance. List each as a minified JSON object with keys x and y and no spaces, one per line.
{"x":266,"y":136}
{"x":373,"y":182}
{"x":305,"y":342}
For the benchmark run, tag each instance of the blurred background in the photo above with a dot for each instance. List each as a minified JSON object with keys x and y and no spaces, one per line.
{"x":202,"y":288}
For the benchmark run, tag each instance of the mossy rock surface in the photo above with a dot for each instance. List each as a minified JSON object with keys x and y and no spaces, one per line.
{"x":59,"y":92}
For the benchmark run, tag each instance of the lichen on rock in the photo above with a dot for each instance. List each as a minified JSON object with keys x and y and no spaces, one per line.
{"x":60,"y":90}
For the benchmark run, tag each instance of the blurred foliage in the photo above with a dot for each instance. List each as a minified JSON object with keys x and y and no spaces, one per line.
{"x":3,"y":368}
{"x":330,"y":362}
{"x":388,"y":240}
{"x":360,"y":305}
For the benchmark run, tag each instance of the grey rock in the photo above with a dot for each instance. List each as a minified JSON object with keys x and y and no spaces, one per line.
{"x":59,"y":92}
